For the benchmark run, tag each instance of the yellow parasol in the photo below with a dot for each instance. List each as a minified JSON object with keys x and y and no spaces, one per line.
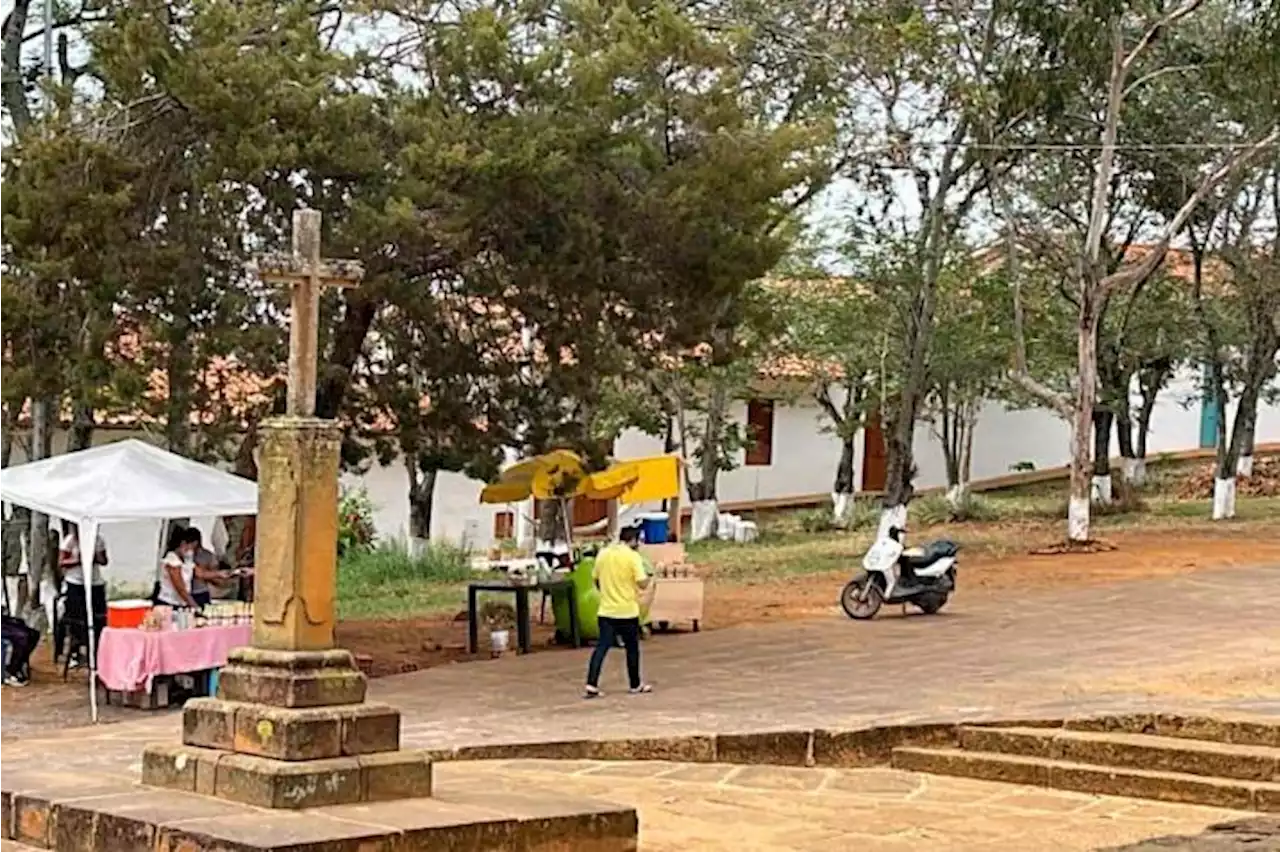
{"x":562,"y":474}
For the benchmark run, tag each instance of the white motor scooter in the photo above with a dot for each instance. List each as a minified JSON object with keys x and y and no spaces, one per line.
{"x":924,"y":577}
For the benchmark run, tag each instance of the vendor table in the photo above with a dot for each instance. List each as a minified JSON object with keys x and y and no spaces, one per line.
{"x":521,"y":591}
{"x":129,"y":659}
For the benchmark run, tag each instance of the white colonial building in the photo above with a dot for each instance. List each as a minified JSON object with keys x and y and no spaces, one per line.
{"x":793,"y":460}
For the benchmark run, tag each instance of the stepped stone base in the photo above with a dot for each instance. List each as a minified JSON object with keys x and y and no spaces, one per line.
{"x":49,"y":810}
{"x":290,"y":730}
{"x":269,"y":783}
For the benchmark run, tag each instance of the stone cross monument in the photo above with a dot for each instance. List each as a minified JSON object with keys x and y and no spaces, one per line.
{"x":290,"y":727}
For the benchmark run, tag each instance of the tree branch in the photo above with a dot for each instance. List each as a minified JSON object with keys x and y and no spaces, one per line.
{"x":1127,"y":275}
{"x":1153,"y":32}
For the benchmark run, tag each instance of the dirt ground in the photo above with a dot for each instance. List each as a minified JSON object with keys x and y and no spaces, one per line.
{"x":394,"y":647}
{"x":1137,"y":554}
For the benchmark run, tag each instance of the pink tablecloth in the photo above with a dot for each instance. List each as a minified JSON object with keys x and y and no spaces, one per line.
{"x":129,"y":659}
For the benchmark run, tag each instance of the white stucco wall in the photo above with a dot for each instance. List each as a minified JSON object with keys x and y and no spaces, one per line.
{"x":804,"y":462}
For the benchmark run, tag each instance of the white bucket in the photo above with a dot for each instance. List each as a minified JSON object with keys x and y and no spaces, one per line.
{"x":499,"y":640}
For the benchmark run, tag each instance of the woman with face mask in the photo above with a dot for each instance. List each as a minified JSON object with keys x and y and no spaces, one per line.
{"x":177,"y":569}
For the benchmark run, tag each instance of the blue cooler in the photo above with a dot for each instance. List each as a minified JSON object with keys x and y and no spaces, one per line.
{"x":653,"y":528}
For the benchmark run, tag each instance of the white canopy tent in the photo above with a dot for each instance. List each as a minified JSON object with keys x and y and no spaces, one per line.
{"x":121,"y":482}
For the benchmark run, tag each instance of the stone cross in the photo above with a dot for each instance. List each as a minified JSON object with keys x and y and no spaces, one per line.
{"x":307,"y":273}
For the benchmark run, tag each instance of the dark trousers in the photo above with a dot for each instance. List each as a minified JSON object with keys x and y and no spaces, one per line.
{"x":612,"y":629}
{"x":22,"y":641}
{"x":73,"y":623}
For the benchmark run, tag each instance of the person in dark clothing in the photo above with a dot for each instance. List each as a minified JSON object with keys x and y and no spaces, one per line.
{"x":21,"y":641}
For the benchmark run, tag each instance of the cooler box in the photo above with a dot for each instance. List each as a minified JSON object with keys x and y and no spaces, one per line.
{"x":127,"y":614}
{"x":653,"y":528}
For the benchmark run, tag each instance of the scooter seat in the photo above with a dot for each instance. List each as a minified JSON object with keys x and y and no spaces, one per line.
{"x":931,"y":553}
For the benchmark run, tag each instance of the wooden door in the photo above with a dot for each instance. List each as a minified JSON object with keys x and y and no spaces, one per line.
{"x":874,"y":471}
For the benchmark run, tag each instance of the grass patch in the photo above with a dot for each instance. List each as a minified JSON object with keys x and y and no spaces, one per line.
{"x":391,"y":581}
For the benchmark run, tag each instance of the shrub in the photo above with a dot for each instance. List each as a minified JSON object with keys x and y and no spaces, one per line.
{"x":394,"y":562}
{"x":937,"y":509}
{"x":356,"y":532}
{"x":861,"y":514}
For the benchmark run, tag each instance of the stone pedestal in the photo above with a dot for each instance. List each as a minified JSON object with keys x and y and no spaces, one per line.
{"x":290,"y":727}
{"x":297,"y":547}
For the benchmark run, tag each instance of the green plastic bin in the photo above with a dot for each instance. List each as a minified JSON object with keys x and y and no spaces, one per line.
{"x":588,"y":599}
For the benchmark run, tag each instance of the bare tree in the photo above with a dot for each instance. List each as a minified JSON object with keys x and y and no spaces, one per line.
{"x":1093,"y":285}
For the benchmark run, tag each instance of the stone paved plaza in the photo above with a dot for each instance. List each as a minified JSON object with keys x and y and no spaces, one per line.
{"x":1192,"y":642}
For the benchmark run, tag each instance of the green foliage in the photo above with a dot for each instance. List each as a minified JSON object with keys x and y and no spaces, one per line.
{"x":392,"y":562}
{"x":935,"y":509}
{"x":862,"y":514}
{"x":356,"y":533}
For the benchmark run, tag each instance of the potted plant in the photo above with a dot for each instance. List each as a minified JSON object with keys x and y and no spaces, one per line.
{"x":499,"y":618}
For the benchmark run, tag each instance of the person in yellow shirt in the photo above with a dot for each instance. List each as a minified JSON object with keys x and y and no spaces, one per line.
{"x":620,"y":575}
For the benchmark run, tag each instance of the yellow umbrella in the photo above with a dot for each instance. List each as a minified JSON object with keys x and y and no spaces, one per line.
{"x":563,"y":474}
{"x":543,"y":476}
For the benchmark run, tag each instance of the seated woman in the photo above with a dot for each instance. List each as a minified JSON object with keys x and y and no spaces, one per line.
{"x":73,"y":612}
{"x":177,"y":569}
{"x":206,"y":571}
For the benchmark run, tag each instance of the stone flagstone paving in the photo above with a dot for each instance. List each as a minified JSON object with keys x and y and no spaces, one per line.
{"x":719,"y":808}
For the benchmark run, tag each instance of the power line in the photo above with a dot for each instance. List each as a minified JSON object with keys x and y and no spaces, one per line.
{"x":1077,"y":146}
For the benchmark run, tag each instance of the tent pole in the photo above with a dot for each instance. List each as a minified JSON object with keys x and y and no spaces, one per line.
{"x":87,"y":554}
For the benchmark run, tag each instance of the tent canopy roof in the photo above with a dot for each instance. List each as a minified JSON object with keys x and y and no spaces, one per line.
{"x":126,"y":481}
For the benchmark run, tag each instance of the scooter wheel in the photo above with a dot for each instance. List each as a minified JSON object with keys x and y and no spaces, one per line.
{"x":862,"y":597}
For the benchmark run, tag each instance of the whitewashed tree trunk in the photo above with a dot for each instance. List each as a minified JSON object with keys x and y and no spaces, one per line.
{"x":1100,"y":490}
{"x":892,"y":516}
{"x":1224,"y":498}
{"x":840,"y":503}
{"x":1244,"y":466}
{"x":1134,"y":471}
{"x":702,"y":525}
{"x":1078,"y":519}
{"x":958,"y":493}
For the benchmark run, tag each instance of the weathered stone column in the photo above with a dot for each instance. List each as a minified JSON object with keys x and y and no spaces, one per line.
{"x":290,"y":727}
{"x":297,"y":547}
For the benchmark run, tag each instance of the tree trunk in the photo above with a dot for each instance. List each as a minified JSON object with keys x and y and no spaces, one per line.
{"x":43,"y":422}
{"x":551,"y":522}
{"x":843,"y":488}
{"x":1100,"y":488}
{"x":1261,"y":361}
{"x":13,"y":91}
{"x":348,"y":343}
{"x":966,"y":460}
{"x":1082,"y":416}
{"x":1132,"y":467}
{"x":703,"y":493}
{"x":845,"y":421}
{"x":1244,"y":462}
{"x":82,"y":426}
{"x":1150,"y":380}
{"x":180,"y":375}
{"x":967,"y":417}
{"x":422,"y":491}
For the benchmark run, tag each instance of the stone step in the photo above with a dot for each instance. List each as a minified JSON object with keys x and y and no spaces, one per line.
{"x":1087,"y":778}
{"x":1136,"y":751}
{"x":1239,"y":730}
